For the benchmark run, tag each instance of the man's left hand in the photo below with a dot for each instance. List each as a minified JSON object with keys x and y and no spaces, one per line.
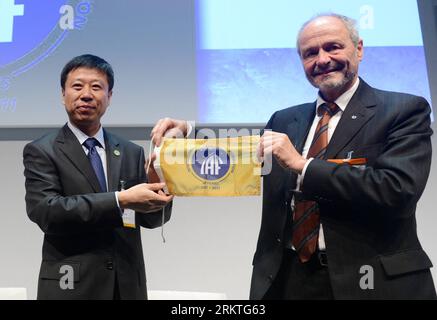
{"x":152,"y":176}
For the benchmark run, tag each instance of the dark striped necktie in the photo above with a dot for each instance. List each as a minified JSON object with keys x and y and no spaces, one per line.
{"x":96,"y":161}
{"x":306,"y":217}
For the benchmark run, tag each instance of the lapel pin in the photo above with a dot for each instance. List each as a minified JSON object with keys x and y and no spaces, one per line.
{"x":116,"y":152}
{"x":354,"y":117}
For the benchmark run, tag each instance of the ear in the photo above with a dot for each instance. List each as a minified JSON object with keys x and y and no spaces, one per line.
{"x":360,"y":50}
{"x":109,"y":97}
{"x":63,"y":96}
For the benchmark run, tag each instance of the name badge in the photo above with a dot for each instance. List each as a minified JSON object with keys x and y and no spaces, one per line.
{"x":359,"y":163}
{"x":128,"y":218}
{"x":128,"y":215}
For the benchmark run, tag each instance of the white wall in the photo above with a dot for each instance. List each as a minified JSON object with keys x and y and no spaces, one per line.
{"x":20,"y":239}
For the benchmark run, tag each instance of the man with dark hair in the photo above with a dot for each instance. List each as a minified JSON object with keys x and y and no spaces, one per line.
{"x":87,"y":190}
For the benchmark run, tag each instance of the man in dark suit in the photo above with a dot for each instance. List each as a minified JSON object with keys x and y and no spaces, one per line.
{"x":82,"y":187}
{"x":338,"y":218}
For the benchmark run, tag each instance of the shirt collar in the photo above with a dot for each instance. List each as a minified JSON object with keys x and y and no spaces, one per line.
{"x":343,"y":100}
{"x":82,"y":136}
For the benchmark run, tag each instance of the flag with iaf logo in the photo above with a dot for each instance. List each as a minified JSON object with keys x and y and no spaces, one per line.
{"x":209,"y":167}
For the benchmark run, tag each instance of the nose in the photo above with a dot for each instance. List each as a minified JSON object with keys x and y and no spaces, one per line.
{"x":323,"y":58}
{"x":86,"y":94}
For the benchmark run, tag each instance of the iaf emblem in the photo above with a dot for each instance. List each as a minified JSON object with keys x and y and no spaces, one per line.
{"x":211,"y":164}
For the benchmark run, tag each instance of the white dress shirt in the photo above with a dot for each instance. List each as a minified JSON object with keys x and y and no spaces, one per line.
{"x":342,"y":103}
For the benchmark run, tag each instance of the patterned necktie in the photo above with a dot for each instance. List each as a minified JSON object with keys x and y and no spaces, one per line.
{"x":95,"y":161}
{"x":306,"y":218}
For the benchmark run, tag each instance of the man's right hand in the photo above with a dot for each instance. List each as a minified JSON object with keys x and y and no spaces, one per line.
{"x":144,"y":197}
{"x":169,"y":128}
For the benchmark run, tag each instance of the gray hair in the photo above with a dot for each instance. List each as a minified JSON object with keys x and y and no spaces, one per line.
{"x":349,"y":23}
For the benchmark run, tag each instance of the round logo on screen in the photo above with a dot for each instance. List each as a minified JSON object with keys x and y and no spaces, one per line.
{"x":211,"y":164}
{"x":31,"y":30}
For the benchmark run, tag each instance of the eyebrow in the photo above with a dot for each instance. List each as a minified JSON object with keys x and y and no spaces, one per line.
{"x":82,"y":80}
{"x":327,"y":43}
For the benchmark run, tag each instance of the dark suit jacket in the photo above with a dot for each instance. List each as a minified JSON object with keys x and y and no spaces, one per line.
{"x":82,"y":227}
{"x":368,"y":215}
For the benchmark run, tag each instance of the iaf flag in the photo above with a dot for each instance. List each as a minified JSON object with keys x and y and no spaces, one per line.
{"x":209,"y":167}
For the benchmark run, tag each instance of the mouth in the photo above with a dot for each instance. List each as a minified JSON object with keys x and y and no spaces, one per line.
{"x":85,"y":108}
{"x":324,"y":72}
{"x":329,"y":70}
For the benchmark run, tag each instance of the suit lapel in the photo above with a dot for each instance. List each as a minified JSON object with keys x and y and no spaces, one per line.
{"x":72,"y":149}
{"x":300,"y":125}
{"x":358,"y":111}
{"x":114,"y":155}
{"x":297,"y":131}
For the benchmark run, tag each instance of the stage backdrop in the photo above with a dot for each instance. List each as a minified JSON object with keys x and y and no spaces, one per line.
{"x":214,"y":61}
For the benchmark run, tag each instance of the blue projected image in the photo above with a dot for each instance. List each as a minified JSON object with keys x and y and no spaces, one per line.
{"x":248,"y":66}
{"x":27,"y":15}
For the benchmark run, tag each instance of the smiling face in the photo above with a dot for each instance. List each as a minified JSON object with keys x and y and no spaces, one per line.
{"x":329,"y":57}
{"x":86,"y":97}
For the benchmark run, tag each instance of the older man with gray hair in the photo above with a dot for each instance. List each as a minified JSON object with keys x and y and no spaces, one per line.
{"x":338,"y":217}
{"x":339,"y":205}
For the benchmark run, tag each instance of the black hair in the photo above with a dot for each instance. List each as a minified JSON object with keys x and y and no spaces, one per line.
{"x":88,"y":61}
